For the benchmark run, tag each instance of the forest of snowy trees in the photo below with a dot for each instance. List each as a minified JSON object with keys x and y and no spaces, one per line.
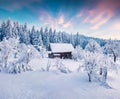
{"x":19,"y":45}
{"x":43,"y":36}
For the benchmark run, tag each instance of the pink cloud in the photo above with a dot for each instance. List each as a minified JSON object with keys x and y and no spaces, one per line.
{"x":98,"y":17}
{"x":47,"y":18}
{"x":79,"y":14}
{"x":116,"y":25}
{"x":68,"y":24}
{"x":102,"y":21}
{"x":61,"y":19}
{"x":86,"y":20}
{"x":101,"y":14}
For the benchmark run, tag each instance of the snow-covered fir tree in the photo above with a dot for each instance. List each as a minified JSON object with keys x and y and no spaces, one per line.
{"x":33,"y":36}
{"x":46,"y":38}
{"x":3,"y":27}
{"x":77,"y":39}
{"x":60,"y":40}
{"x":8,"y":29}
{"x":54,"y":38}
{"x":50,"y":35}
{"x":26,"y":36}
{"x":15,"y":29}
{"x":72,"y":41}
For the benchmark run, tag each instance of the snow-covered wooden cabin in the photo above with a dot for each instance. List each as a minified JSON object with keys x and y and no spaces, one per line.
{"x":61,"y":50}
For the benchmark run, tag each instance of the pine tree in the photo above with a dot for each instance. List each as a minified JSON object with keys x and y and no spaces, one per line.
{"x":54,"y":37}
{"x":25,"y":37}
{"x":0,"y":34}
{"x":59,"y":37}
{"x":20,"y":33}
{"x":33,"y":36}
{"x":72,"y":40}
{"x":3,"y":26}
{"x":65,"y":37}
{"x":42,"y":34}
{"x":15,"y":30}
{"x":50,"y":35}
{"x":77,"y":39}
{"x":8,"y":29}
{"x":47,"y":38}
{"x":38,"y":41}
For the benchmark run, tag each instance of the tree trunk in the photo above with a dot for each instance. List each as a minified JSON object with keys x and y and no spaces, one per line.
{"x":89,"y":76}
{"x":5,"y":63}
{"x":114,"y":55}
{"x":114,"y":58}
{"x":104,"y":75}
{"x":100,"y":71}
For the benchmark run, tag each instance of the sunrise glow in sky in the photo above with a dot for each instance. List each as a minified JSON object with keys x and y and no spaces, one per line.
{"x":97,"y":18}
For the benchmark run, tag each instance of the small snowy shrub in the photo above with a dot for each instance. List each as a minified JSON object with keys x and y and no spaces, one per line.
{"x":63,"y":69}
{"x":60,"y":66}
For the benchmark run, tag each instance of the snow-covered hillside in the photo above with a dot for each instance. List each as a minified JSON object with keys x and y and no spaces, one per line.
{"x":26,"y":72}
{"x":47,"y":85}
{"x":39,"y":84}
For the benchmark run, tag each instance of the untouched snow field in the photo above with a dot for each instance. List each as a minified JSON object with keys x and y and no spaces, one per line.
{"x":56,"y":85}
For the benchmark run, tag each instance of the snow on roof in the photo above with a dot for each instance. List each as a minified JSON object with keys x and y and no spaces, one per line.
{"x":61,"y":47}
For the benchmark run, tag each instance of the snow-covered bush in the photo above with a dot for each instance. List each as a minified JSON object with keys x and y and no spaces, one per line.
{"x":112,"y":48}
{"x":60,"y":66}
{"x":96,"y":65}
{"x":15,"y":56}
{"x":78,"y":53}
{"x":93,"y":46}
{"x":92,"y":65}
{"x":63,"y":68}
{"x":43,"y":52}
{"x":33,"y":53}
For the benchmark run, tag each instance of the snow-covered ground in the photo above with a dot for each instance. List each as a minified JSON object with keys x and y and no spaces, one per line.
{"x":38,"y":64}
{"x":39,"y":84}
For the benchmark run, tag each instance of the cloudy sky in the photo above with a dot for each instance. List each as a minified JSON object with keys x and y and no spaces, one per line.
{"x":98,"y":18}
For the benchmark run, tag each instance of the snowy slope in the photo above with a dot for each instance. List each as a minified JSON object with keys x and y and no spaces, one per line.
{"x":40,"y":84}
{"x":51,"y":85}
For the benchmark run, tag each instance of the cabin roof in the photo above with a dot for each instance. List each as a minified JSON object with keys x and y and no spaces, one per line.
{"x":61,"y":47}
